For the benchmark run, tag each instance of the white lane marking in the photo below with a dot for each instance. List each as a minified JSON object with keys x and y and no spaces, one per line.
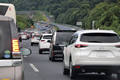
{"x":34,"y":68}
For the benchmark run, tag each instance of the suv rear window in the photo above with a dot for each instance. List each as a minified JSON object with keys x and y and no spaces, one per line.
{"x":100,"y":38}
{"x":63,"y":37}
{"x":47,"y":36}
{"x":5,"y":40}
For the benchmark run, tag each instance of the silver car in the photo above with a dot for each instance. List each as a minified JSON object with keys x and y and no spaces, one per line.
{"x":92,"y":51}
{"x":11,"y":62}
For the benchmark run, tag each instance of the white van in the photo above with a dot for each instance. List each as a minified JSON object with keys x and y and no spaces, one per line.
{"x":8,"y":10}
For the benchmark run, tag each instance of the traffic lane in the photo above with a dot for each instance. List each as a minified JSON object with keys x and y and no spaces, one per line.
{"x":51,"y":70}
{"x":47,"y":70}
{"x":29,"y":73}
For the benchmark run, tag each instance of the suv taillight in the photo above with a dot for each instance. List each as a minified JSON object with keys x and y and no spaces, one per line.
{"x":15,"y":45}
{"x":80,"y":45}
{"x":118,"y":46}
{"x":15,"y":48}
{"x":32,"y":37}
{"x":42,"y":40}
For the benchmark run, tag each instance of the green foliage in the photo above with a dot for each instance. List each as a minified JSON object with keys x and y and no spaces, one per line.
{"x":39,"y":17}
{"x":104,"y":12}
{"x":22,"y":23}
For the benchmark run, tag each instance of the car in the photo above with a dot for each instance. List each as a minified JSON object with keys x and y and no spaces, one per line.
{"x":20,"y":39}
{"x":35,"y":39}
{"x":43,"y":43}
{"x":11,"y":61}
{"x":46,"y":25}
{"x":57,"y":43}
{"x":92,"y":51}
{"x":24,"y":36}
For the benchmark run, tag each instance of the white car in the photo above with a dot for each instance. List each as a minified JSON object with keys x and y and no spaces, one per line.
{"x":24,"y":36}
{"x":43,"y":43}
{"x":35,"y":39}
{"x":92,"y":51}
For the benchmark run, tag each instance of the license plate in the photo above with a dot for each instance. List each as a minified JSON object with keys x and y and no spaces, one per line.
{"x":101,"y":54}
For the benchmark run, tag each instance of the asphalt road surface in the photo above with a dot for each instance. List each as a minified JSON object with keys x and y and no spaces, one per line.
{"x":39,"y":67}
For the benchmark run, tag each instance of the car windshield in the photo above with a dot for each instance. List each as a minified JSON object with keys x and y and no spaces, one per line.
{"x":63,"y":37}
{"x":47,"y":36}
{"x":100,"y":38}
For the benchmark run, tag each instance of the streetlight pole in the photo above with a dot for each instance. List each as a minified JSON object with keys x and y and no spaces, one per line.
{"x":93,"y":24}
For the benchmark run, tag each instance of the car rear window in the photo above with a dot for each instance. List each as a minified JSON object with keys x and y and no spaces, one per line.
{"x":100,"y":38}
{"x":5,"y":40}
{"x":36,"y":36}
{"x":63,"y":37}
{"x":47,"y":36}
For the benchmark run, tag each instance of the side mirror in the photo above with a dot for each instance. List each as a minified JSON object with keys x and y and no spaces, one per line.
{"x":25,"y":51}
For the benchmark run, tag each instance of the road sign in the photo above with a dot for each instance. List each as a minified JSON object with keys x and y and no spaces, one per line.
{"x":78,"y":23}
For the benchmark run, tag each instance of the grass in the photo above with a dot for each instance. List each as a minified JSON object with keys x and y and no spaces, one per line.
{"x":40,"y":17}
{"x":37,"y":17}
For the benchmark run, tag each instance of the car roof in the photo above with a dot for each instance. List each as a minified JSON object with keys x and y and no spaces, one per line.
{"x":5,"y":18}
{"x":95,"y":31}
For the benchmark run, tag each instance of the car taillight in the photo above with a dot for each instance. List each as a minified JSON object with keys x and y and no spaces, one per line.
{"x":53,"y":54}
{"x":15,"y":45}
{"x":80,"y":45}
{"x":32,"y":37}
{"x":15,"y":48}
{"x":118,"y":46}
{"x":42,"y":40}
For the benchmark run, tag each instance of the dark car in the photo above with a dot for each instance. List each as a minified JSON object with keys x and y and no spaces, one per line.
{"x":20,"y":39}
{"x":57,"y":43}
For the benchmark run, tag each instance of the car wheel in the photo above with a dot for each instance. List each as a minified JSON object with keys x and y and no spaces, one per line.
{"x":40,"y":51}
{"x":52,"y":59}
{"x":65,"y":71}
{"x":118,"y":76}
{"x":72,"y":73}
{"x":31,"y":44}
{"x":49,"y":58}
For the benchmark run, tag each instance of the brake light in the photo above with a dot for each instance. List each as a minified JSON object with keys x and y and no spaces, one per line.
{"x":42,"y":40}
{"x":53,"y":54}
{"x":77,"y":66}
{"x":118,"y":46}
{"x":15,"y":45}
{"x":80,"y":45}
{"x":32,"y":37}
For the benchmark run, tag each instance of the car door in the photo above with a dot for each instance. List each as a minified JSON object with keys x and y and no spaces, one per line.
{"x":69,"y":48}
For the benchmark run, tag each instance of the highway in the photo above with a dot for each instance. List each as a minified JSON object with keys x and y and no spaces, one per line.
{"x":39,"y":67}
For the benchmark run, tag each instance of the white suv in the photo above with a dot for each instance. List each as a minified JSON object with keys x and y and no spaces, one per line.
{"x":92,"y":51}
{"x":44,"y":42}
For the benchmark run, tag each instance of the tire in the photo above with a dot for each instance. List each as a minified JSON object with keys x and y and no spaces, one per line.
{"x":65,"y":71}
{"x":118,"y":76}
{"x":31,"y":44}
{"x":52,"y":59}
{"x":40,"y":51}
{"x":72,"y":73}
